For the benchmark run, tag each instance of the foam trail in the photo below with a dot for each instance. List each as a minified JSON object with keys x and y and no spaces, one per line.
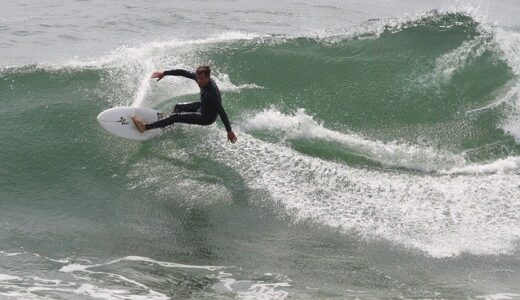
{"x":301,"y":125}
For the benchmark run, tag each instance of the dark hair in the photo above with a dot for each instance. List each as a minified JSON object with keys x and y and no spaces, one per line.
{"x":204,"y":69}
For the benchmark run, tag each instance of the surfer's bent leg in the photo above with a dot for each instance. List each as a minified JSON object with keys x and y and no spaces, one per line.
{"x":187,"y":107}
{"x":186,"y":118}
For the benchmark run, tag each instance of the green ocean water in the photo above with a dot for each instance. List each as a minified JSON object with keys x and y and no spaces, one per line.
{"x":381,"y":163}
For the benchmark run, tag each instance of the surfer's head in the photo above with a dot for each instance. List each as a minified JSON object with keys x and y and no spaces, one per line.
{"x":203,"y":73}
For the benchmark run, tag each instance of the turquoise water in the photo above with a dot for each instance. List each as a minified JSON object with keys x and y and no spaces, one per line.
{"x":377,"y":158}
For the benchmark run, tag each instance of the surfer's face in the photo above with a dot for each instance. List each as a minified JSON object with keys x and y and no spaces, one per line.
{"x":202,"y":79}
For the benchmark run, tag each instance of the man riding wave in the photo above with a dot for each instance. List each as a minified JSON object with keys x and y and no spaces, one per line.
{"x":203,"y":112}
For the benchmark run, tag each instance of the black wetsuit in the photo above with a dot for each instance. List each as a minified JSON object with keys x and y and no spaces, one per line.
{"x":202,"y":113}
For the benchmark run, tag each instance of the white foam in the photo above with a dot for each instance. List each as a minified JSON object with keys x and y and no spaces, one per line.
{"x":501,"y":166}
{"x":91,"y":290}
{"x":75,"y":267}
{"x":170,"y":264}
{"x":47,"y":281}
{"x":302,"y":125}
{"x":442,"y":215}
{"x":19,"y":295}
{"x":10,"y":253}
{"x":91,"y":283}
{"x":243,"y":289}
{"x":25,"y":287}
{"x":6,"y":277}
{"x":63,"y":261}
{"x":37,"y":291}
{"x":247,"y":289}
{"x":512,"y":127}
{"x":31,"y":284}
{"x":499,"y":296}
{"x":264,"y":291}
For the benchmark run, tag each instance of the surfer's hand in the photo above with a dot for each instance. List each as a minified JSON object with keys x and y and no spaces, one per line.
{"x":158,"y":74}
{"x":232,"y":137}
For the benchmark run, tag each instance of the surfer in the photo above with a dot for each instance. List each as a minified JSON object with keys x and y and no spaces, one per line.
{"x":203,"y":112}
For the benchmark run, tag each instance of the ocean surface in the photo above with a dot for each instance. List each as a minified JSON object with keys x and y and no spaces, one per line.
{"x":378,"y":153}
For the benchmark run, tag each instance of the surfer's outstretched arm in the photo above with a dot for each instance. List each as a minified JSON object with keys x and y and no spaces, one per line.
{"x":223,"y":116}
{"x":175,"y":72}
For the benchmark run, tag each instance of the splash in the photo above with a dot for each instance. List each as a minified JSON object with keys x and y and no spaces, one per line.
{"x":144,"y":89}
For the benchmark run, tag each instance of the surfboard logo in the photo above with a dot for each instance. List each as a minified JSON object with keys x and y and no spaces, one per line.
{"x":123,"y":121}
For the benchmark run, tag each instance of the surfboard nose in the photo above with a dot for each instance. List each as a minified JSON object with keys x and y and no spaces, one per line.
{"x":118,"y":121}
{"x":107,"y":115}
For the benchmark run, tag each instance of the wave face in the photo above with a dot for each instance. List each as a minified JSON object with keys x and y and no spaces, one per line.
{"x":400,"y":135}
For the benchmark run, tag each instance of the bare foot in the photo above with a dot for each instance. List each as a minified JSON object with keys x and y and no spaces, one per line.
{"x":139,"y":124}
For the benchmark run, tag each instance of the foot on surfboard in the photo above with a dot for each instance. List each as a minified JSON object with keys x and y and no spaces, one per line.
{"x":138,"y":124}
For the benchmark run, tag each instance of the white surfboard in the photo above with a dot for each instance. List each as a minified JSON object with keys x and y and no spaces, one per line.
{"x":118,"y":121}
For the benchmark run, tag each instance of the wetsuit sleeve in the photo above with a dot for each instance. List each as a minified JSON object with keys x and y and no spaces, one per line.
{"x":180,"y":72}
{"x":223,"y":117}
